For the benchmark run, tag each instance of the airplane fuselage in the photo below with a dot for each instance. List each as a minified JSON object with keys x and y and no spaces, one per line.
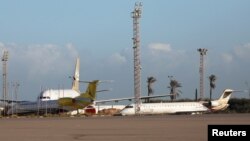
{"x":166,"y":108}
{"x":50,"y":106}
{"x":181,"y":107}
{"x":57,"y":94}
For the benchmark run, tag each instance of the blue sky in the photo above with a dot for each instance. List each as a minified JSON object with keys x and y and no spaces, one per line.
{"x":45,"y":37}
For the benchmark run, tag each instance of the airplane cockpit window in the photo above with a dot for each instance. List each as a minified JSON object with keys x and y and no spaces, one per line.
{"x":129,"y":106}
{"x":44,"y":97}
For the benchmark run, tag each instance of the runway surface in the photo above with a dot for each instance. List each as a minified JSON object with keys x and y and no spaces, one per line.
{"x":139,"y":128}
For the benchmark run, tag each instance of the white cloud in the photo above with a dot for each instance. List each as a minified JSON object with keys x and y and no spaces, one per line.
{"x":72,"y":50}
{"x":117,"y":58}
{"x":1,"y":45}
{"x":37,"y":65}
{"x":163,"y":50}
{"x":120,"y":58}
{"x":159,"y":47}
{"x":162,"y":58}
{"x":237,"y":54}
{"x":227,"y":58}
{"x":243,"y":51}
{"x":40,"y":59}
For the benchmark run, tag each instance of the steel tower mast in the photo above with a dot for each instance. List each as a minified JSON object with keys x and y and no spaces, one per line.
{"x":203,"y":52}
{"x":5,"y":83}
{"x":136,"y":15}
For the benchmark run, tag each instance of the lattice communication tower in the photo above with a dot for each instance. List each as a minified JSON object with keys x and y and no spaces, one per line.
{"x":203,"y":52}
{"x":5,"y":83}
{"x":136,"y":15}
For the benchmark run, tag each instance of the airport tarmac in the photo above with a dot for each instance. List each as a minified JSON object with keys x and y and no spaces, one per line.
{"x":117,"y":128}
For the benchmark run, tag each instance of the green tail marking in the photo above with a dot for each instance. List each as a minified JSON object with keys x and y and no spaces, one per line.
{"x":91,"y":90}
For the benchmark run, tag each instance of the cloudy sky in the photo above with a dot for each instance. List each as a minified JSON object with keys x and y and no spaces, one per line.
{"x":45,"y":37}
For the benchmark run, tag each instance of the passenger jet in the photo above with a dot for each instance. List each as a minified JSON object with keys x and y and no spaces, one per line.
{"x":181,"y":107}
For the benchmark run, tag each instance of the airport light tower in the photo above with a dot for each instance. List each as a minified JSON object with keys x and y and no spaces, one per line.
{"x":5,"y":83}
{"x":203,"y":52}
{"x":136,"y":15}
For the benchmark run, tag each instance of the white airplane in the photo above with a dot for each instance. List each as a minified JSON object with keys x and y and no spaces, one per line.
{"x":47,"y":100}
{"x":55,"y":94}
{"x":91,"y":108}
{"x":181,"y":107}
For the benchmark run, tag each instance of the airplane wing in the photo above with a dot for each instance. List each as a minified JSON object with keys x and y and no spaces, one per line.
{"x":10,"y":101}
{"x":130,"y":98}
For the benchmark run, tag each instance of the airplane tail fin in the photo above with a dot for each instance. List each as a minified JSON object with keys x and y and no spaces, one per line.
{"x":84,"y":99}
{"x":76,"y":77}
{"x":91,"y":90}
{"x":225,"y":96}
{"x":222,"y":102}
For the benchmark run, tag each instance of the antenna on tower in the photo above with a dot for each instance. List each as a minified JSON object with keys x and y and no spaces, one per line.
{"x":5,"y":83}
{"x":136,"y":15}
{"x":203,"y":52}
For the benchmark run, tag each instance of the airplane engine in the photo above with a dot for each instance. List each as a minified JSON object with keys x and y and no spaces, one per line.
{"x":214,"y":103}
{"x":66,"y":101}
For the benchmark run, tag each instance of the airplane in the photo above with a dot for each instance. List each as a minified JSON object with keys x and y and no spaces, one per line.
{"x":46,"y":99}
{"x":47,"y":95}
{"x":54,"y":94}
{"x":55,"y":106}
{"x":181,"y":107}
{"x":81,"y":101}
{"x":87,"y":101}
{"x":54,"y":101}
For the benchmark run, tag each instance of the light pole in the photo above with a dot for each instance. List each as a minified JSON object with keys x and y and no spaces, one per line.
{"x":136,"y":15}
{"x":203,"y":52}
{"x":5,"y":79}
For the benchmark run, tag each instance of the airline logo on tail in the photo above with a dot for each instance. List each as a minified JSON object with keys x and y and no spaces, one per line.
{"x":76,"y":77}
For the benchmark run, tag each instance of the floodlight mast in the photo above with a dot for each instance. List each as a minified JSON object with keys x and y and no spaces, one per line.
{"x":136,"y":15}
{"x":203,"y":52}
{"x":5,"y":83}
